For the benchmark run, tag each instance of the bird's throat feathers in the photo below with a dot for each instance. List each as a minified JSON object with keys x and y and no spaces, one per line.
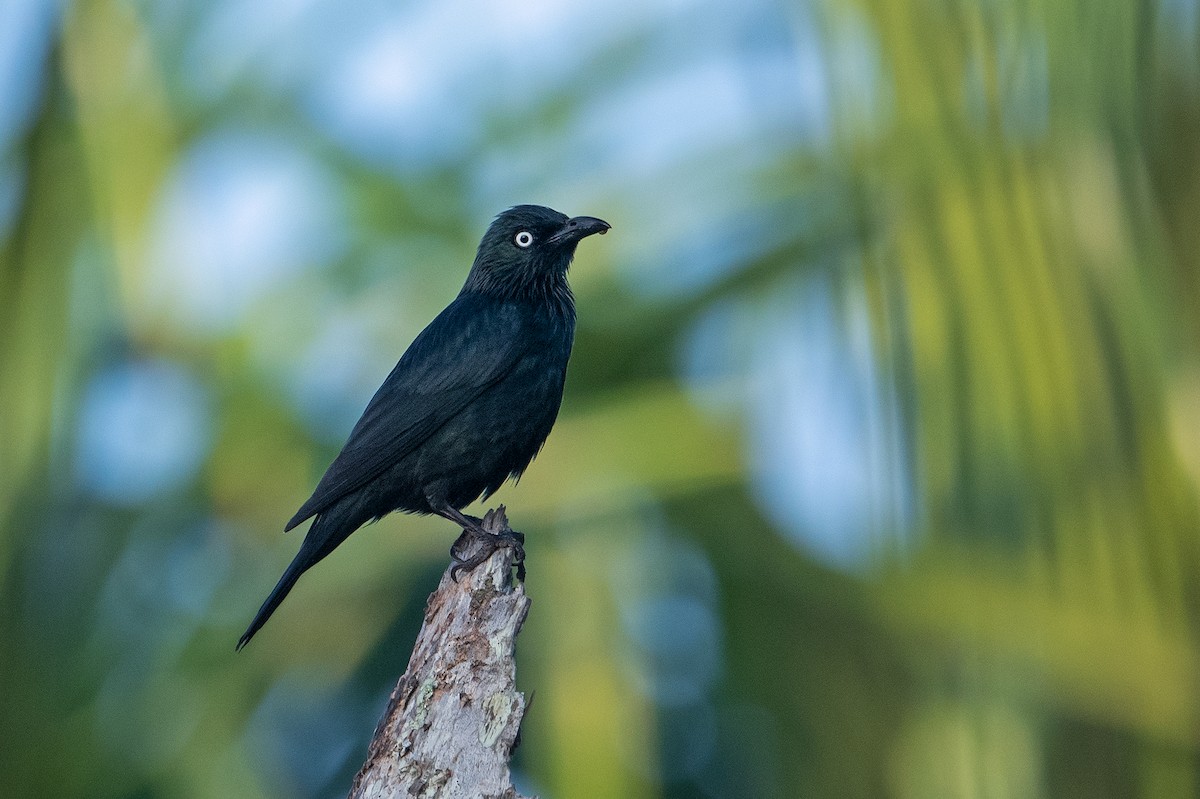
{"x":528,"y":280}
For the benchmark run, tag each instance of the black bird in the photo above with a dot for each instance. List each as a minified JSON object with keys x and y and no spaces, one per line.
{"x":469,"y":404}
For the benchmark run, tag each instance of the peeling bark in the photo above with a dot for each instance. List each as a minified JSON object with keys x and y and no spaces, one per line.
{"x":455,"y":715}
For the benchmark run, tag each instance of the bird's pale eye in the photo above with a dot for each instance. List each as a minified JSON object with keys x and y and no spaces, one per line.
{"x":523,"y":239}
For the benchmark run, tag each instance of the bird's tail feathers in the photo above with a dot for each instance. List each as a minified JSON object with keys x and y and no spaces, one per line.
{"x":326,"y":533}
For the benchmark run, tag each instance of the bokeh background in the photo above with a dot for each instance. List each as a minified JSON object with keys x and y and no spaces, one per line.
{"x":877,"y":470}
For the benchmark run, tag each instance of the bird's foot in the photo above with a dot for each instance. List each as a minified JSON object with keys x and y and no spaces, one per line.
{"x":481,"y":543}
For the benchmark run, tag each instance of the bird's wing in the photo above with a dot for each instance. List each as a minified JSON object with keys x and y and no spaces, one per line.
{"x":471,"y":345}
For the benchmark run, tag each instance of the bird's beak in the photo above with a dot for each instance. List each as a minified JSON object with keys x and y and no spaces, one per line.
{"x":578,"y":228}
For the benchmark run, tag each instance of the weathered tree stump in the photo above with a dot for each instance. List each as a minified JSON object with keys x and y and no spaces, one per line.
{"x":455,"y":715}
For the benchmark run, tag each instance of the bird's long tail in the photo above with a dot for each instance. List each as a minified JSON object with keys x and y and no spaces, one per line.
{"x":329,"y":530}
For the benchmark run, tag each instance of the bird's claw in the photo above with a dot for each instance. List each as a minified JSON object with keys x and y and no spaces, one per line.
{"x":485,"y":545}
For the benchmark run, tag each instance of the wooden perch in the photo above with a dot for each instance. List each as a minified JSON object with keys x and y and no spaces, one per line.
{"x":454,"y":717}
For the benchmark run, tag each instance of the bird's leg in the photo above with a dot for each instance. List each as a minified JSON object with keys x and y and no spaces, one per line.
{"x":472,"y":524}
{"x":485,"y":542}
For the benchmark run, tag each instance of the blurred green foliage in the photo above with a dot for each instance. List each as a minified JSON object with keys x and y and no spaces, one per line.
{"x":983,"y":235}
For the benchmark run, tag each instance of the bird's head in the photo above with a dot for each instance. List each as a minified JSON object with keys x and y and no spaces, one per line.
{"x":527,"y":250}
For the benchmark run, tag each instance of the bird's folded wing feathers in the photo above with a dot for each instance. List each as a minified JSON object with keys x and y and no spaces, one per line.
{"x":447,"y":366}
